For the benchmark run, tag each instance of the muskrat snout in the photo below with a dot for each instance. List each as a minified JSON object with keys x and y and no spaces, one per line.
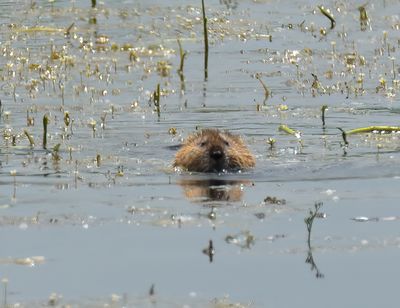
{"x":217,"y":154}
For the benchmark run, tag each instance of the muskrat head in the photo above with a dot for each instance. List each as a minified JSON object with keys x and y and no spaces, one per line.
{"x":211,"y":150}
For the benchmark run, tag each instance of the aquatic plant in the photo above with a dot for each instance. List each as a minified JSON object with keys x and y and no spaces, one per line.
{"x":152,"y":290}
{"x":244,"y":239}
{"x":323,"y":109}
{"x":92,"y":124}
{"x":364,"y":19}
{"x":55,"y":152}
{"x":13,"y":173}
{"x":266,"y":90}
{"x":30,"y":138}
{"x":344,"y":136}
{"x":5,"y":284}
{"x":163,"y":68}
{"x":46,"y":122}
{"x":67,"y":119}
{"x":316,"y":86}
{"x":172,"y":131}
{"x":205,"y":30}
{"x":309,"y":221}
{"x":212,"y":215}
{"x":182,"y":55}
{"x":156,"y":100}
{"x":30,"y":121}
{"x":328,"y":14}
{"x":120,"y":171}
{"x":271,"y":142}
{"x":68,"y":30}
{"x":210,"y":251}
{"x":98,"y":160}
{"x":274,"y":200}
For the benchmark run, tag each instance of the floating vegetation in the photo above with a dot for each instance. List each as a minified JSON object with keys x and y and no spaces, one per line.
{"x":243,"y":239}
{"x":163,"y":68}
{"x":55,"y":153}
{"x":375,"y":130}
{"x":274,"y":200}
{"x":39,"y":29}
{"x":271,"y":142}
{"x":28,"y":261}
{"x":375,"y":219}
{"x":290,"y":131}
{"x":327,"y":13}
{"x":364,"y":19}
{"x":316,"y":86}
{"x":172,"y":131}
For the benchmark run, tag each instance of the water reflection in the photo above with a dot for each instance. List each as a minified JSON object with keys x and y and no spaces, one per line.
{"x":203,"y":190}
{"x":230,"y":4}
{"x":309,"y":223}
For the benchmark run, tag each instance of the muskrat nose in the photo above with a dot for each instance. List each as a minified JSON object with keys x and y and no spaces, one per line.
{"x":216,"y":154}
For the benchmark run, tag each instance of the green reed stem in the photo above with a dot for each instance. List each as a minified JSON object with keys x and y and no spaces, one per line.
{"x":205,"y":41}
{"x":30,"y":138}
{"x":46,"y":122}
{"x":323,"y":109}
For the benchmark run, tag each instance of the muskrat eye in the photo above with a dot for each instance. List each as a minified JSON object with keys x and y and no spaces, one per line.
{"x":203,"y":144}
{"x":226,"y":143}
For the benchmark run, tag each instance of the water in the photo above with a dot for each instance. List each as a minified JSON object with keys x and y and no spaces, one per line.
{"x":104,"y":231}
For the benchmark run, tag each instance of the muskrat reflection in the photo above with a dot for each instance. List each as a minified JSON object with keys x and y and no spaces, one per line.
{"x":202,"y":190}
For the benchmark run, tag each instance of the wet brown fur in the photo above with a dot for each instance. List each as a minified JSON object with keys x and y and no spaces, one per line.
{"x":211,"y":150}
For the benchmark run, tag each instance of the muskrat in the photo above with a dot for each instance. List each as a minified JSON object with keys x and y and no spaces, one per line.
{"x":212,"y":150}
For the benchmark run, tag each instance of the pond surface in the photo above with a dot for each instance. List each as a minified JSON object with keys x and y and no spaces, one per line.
{"x":103,"y":219}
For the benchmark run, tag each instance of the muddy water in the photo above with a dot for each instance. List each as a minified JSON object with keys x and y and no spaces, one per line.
{"x":106,"y":217}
